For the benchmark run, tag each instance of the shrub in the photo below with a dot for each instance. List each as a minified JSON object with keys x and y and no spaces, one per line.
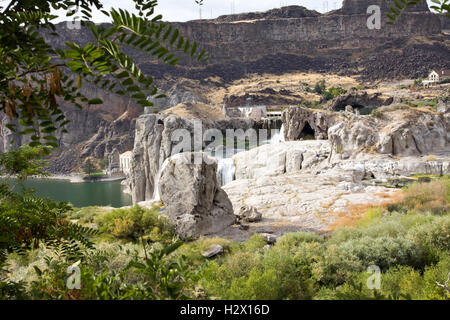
{"x":431,"y":197}
{"x":377,"y":113}
{"x":320,"y":87}
{"x":87,"y":215}
{"x":371,"y":214}
{"x":136,"y":222}
{"x":333,"y":92}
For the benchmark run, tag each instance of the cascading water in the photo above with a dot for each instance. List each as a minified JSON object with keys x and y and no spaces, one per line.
{"x":156,"y":195}
{"x":279,"y":136}
{"x":225,"y":171}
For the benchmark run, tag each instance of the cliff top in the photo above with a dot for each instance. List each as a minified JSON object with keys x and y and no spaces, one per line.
{"x":279,"y":13}
{"x":349,"y":7}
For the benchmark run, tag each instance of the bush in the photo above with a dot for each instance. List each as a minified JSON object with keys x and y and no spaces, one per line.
{"x":433,"y":197}
{"x":333,"y":92}
{"x":134,"y":223}
{"x":320,"y":87}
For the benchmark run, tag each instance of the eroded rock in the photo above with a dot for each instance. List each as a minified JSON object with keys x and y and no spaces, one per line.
{"x":194,"y":201}
{"x":249,"y":214}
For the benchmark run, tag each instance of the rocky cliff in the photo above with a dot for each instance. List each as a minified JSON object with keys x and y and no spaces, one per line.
{"x":277,"y":41}
{"x":156,"y":138}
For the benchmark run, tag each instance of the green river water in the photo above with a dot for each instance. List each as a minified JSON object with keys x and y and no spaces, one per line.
{"x":81,"y":194}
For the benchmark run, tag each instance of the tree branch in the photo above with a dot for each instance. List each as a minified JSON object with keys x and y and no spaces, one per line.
{"x":36,"y":71}
{"x":445,"y":286}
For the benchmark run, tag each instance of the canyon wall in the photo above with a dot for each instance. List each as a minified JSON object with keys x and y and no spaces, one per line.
{"x":276,"y":41}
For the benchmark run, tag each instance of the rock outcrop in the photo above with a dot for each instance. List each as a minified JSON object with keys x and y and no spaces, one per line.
{"x":266,"y":42}
{"x":194,"y":201}
{"x":300,"y":123}
{"x":278,"y":159}
{"x":315,"y":194}
{"x":361,"y":101}
{"x":249,"y":214}
{"x":399,"y":132}
{"x":351,"y":7}
{"x":155,"y":142}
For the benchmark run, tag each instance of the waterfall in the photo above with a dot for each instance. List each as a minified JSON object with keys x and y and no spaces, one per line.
{"x":156,"y":195}
{"x":225,"y":171}
{"x":279,"y":136}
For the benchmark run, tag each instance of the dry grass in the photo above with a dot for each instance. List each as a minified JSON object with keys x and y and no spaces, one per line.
{"x":431,"y":197}
{"x":200,"y":111}
{"x":329,"y":204}
{"x":353,"y":213}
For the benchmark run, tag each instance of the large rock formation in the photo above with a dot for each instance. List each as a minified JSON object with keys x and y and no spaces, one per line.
{"x":364,"y":102}
{"x":300,"y":123}
{"x":155,"y":142}
{"x":194,"y":201}
{"x":399,"y":132}
{"x":281,"y":158}
{"x":277,"y":41}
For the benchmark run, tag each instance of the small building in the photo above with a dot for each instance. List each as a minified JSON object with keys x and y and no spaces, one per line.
{"x":436,"y":76}
{"x":125,"y":162}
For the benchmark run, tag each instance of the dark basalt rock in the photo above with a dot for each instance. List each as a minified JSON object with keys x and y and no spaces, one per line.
{"x":360,"y":6}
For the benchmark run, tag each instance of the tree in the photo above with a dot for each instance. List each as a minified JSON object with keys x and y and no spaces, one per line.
{"x":88,"y":167}
{"x":26,"y":221}
{"x":441,"y":6}
{"x":35,"y":76}
{"x":320,"y":87}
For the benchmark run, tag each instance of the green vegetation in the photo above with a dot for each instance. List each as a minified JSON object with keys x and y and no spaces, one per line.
{"x":415,"y":104}
{"x":136,"y":223}
{"x":320,"y":87}
{"x":35,"y":76}
{"x":89,"y":168}
{"x":333,"y":92}
{"x":441,"y":6}
{"x":135,"y":255}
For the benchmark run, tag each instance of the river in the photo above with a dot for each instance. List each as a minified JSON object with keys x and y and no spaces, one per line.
{"x":81,"y":194}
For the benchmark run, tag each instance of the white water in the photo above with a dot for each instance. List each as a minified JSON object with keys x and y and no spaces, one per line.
{"x":225,"y":166}
{"x":225,"y":171}
{"x":279,"y":136}
{"x":156,"y":195}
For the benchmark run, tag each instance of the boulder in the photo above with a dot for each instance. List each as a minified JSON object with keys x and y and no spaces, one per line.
{"x":155,"y":139}
{"x":213,"y":251}
{"x":249,"y":214}
{"x":443,"y":107}
{"x":269,"y":238}
{"x":194,"y":201}
{"x":360,"y":100}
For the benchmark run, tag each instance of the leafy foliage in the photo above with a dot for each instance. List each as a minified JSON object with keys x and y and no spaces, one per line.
{"x":441,"y":6}
{"x":26,"y":221}
{"x":35,"y":77}
{"x":159,"y":277}
{"x":136,"y":223}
